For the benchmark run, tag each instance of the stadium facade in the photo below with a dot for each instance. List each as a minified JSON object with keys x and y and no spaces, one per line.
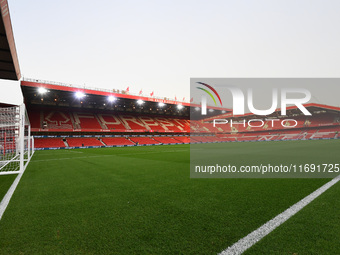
{"x":67,"y":116}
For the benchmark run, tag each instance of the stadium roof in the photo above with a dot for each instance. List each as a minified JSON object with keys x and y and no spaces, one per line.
{"x":9,"y":64}
{"x":63,"y":95}
{"x":96,"y":91}
{"x":68,"y":96}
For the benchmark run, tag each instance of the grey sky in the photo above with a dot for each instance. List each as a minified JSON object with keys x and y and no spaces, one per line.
{"x":159,"y":45}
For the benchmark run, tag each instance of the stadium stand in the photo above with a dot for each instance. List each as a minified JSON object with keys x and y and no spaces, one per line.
{"x":182,"y":139}
{"x":81,"y":142}
{"x":166,"y":140}
{"x":95,"y":122}
{"x":144,"y":140}
{"x":111,"y":141}
{"x":49,"y":143}
{"x":316,"y":132}
{"x":86,"y":121}
{"x":56,"y":120}
{"x":320,"y":127}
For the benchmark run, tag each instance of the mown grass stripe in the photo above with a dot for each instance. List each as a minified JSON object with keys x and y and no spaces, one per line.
{"x":246,"y":242}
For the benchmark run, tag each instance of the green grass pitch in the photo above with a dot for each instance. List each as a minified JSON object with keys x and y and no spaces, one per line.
{"x":141,"y":200}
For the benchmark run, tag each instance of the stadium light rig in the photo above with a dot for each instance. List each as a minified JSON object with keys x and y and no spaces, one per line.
{"x":42,"y":90}
{"x":111,"y":98}
{"x":140,"y":102}
{"x":79,"y":94}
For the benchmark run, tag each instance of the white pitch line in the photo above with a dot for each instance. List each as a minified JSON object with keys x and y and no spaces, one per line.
{"x":246,"y":242}
{"x":8,"y":196}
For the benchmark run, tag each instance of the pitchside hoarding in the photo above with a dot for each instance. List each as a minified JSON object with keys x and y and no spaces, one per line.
{"x":266,"y":128}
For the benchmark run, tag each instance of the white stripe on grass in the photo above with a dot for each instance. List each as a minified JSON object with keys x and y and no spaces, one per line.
{"x":8,"y":196}
{"x":246,"y":242}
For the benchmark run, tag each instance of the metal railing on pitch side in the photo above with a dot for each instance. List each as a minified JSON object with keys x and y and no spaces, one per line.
{"x":98,"y":89}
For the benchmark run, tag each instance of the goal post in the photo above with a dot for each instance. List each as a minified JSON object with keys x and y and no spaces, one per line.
{"x":16,"y":142}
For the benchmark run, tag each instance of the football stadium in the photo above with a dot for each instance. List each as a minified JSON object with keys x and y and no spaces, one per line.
{"x":107,"y":171}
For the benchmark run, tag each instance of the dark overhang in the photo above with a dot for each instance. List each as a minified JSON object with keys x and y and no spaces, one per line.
{"x":9,"y":64}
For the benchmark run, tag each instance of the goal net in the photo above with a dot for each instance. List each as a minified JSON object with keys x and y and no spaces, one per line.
{"x":16,"y":142}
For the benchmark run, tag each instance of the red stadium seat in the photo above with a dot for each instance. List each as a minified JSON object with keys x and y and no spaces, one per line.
{"x":49,"y":143}
{"x":80,"y":142}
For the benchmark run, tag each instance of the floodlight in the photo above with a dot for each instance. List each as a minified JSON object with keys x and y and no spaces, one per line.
{"x":197,"y":108}
{"x":42,"y":90}
{"x":111,"y":98}
{"x":140,"y":102}
{"x":79,"y":94}
{"x":179,"y":106}
{"x":160,"y":104}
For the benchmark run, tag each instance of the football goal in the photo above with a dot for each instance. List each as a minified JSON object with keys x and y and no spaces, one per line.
{"x":16,"y":142}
